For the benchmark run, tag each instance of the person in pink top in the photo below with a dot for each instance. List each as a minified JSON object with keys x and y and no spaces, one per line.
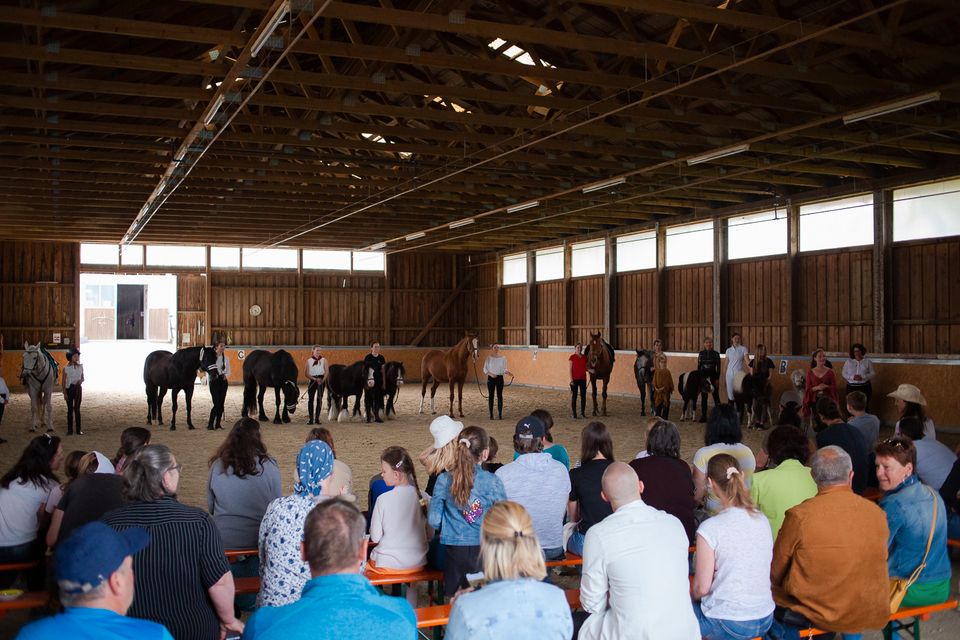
{"x":820,"y":381}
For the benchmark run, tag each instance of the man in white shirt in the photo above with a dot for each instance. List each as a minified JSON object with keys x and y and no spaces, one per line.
{"x":635,"y":568}
{"x":218,"y":373}
{"x":539,"y":483}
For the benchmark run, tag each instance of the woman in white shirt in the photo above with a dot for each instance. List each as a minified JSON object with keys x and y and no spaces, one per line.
{"x":316,"y":372}
{"x":737,"y":360}
{"x":495,"y":367}
{"x":734,"y":552}
{"x":72,"y":389}
{"x":398,"y":524}
{"x":858,"y":371}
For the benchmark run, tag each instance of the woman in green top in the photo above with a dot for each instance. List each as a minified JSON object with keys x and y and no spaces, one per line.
{"x":557,"y":451}
{"x":785,"y":480}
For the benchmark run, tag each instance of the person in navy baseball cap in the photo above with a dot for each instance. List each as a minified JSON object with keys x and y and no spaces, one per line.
{"x":94,"y":569}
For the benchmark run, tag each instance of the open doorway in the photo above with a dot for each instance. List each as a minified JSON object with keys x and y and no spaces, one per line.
{"x":123,"y":318}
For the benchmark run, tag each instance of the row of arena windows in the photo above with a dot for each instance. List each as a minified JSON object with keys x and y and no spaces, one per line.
{"x":230,"y":257}
{"x":920,"y":212}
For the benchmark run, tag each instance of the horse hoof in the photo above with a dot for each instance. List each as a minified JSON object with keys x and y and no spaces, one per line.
{"x":286,"y":420}
{"x":262,"y":417}
{"x":277,"y":421}
{"x":173,"y":427}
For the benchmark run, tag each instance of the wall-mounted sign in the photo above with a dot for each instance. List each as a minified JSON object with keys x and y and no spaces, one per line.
{"x":240,"y":354}
{"x":783,"y":367}
{"x":56,"y":338}
{"x":185,"y":338}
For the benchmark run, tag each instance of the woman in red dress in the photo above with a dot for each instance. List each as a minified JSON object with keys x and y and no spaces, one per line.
{"x":820,"y":381}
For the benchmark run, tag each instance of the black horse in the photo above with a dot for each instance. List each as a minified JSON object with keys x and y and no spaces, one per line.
{"x":394,"y":380}
{"x":277,"y":370}
{"x":692,"y":385}
{"x":163,"y":370}
{"x":344,"y":381}
{"x":643,"y":372}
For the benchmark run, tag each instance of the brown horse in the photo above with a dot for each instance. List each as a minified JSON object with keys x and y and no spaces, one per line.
{"x":599,"y":366}
{"x":447,"y":366}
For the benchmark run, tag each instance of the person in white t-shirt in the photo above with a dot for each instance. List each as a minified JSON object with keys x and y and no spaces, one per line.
{"x":398,"y":524}
{"x":316,"y":373}
{"x":73,"y":389}
{"x":738,"y":360}
{"x":734,"y":550}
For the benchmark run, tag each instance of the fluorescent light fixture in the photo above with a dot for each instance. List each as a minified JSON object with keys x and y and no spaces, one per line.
{"x":416,"y":236}
{"x":269,"y":28}
{"x":599,"y":186}
{"x":717,"y":154}
{"x":891,"y":107}
{"x":461,"y":223}
{"x":214,"y":108}
{"x":377,"y":247}
{"x":525,"y":205}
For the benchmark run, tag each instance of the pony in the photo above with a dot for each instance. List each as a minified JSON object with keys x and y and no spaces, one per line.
{"x":277,"y":370}
{"x":344,"y":381}
{"x":163,"y":370}
{"x":448,"y":366}
{"x":751,"y":396}
{"x":600,"y":361}
{"x":394,"y":380}
{"x":39,"y":376}
{"x":643,"y":372}
{"x":692,"y":384}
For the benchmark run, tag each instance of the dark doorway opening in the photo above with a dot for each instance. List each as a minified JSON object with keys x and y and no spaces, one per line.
{"x":130,"y":298}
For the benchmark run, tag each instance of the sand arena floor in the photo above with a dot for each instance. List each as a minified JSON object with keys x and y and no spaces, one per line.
{"x":106,"y":414}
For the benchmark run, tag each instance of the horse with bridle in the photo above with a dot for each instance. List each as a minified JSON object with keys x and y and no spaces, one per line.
{"x":346,"y":381}
{"x":448,"y":366}
{"x":600,"y":361}
{"x":39,"y":376}
{"x":393,"y":380}
{"x":265,"y":369}
{"x":163,"y":370}
{"x":643,"y":372}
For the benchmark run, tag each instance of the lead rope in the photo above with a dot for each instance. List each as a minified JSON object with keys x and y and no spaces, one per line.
{"x":479,"y":387}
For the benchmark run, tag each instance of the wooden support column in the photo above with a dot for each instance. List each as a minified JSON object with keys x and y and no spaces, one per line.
{"x":206,"y":329}
{"x":443,"y":309}
{"x":76,"y":295}
{"x":301,"y":306}
{"x":610,"y":291}
{"x":793,"y":248}
{"x":567,"y":288}
{"x":720,"y":281}
{"x":498,"y":302}
{"x":387,"y":303}
{"x":882,"y":270}
{"x":659,"y":299}
{"x":530,"y":324}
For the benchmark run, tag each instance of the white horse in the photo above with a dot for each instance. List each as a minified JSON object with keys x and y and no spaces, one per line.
{"x":40,"y":378}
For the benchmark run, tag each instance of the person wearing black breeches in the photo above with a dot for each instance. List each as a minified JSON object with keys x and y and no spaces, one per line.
{"x":217,"y":375}
{"x":316,"y":373}
{"x":708,"y":363}
{"x":73,"y":389}
{"x":495,"y":367}
{"x":578,"y":381}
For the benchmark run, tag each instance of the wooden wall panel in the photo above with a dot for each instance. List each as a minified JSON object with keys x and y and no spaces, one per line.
{"x":514,"y":314}
{"x":485,"y":295}
{"x":834,"y":299}
{"x":551,"y":309}
{"x":38,"y":291}
{"x":342,"y":309}
{"x":925,"y":292}
{"x":688,"y":307}
{"x":636,"y":308}
{"x":232,"y":295}
{"x":191,"y":310}
{"x":420,"y":284}
{"x":757,"y":303}
{"x":586,"y":309}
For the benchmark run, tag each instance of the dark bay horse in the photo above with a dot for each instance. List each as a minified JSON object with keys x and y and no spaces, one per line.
{"x":394,"y":380}
{"x":599,"y":365}
{"x":344,"y":382}
{"x":277,"y":370}
{"x":163,"y":370}
{"x":447,"y":366}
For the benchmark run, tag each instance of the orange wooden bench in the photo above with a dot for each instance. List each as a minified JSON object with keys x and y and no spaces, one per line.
{"x":953,"y":543}
{"x":438,"y":615}
{"x":569,"y":560}
{"x":252,"y":584}
{"x":29,"y":600}
{"x":233,"y":554}
{"x":917,"y":614}
{"x":17,"y":566}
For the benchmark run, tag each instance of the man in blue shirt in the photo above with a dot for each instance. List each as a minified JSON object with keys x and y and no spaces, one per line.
{"x":338,"y":603}
{"x":94,"y":568}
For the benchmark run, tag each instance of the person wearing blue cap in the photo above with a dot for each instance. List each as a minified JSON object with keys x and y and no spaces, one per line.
{"x":94,"y":569}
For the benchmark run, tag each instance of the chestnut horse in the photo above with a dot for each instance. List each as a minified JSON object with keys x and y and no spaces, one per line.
{"x":599,"y":366}
{"x":447,"y":366}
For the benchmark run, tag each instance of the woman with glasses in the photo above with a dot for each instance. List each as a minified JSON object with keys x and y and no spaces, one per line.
{"x":181,"y":579}
{"x":918,"y":524}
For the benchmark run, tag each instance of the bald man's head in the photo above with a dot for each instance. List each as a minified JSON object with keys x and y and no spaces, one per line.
{"x":621,"y":485}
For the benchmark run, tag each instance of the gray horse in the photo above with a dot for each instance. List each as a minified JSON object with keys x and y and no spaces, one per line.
{"x":40,"y":378}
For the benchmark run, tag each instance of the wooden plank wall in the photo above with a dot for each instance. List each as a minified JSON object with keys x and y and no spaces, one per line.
{"x":925,"y":291}
{"x":191,"y":310}
{"x":38,"y":291}
{"x":514,"y":314}
{"x":688,"y":307}
{"x":342,"y":309}
{"x":758,"y":297}
{"x":486,"y":292}
{"x":232,"y":295}
{"x":420,"y":283}
{"x":586,"y":309}
{"x":834,"y":297}
{"x":551,"y":309}
{"x":636,"y":321}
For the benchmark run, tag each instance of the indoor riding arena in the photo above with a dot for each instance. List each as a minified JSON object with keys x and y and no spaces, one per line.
{"x":377,"y":213}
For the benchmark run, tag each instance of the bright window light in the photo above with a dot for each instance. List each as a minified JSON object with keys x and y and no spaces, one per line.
{"x":131,"y":255}
{"x":376,"y":137}
{"x":326,"y":259}
{"x":549,"y":264}
{"x":162,"y":255}
{"x":927,"y":211}
{"x":515,"y":269}
{"x":587,"y":258}
{"x":225,"y":257}
{"x":837,"y":223}
{"x":369,"y":261}
{"x":690,"y":244}
{"x":757,"y":234}
{"x":254,"y":258}
{"x":637,"y":251}
{"x":516,"y":53}
{"x":99,"y":253}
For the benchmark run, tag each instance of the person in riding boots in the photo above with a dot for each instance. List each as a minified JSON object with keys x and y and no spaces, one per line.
{"x":72,"y":389}
{"x":218,"y":372}
{"x":578,"y":380}
{"x":316,"y":373}
{"x":708,"y":364}
{"x":495,"y":367}
{"x":378,"y":363}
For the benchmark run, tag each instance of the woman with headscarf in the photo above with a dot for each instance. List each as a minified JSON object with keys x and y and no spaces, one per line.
{"x":282,"y":570}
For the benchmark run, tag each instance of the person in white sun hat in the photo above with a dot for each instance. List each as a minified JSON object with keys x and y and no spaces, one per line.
{"x":910,"y":402}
